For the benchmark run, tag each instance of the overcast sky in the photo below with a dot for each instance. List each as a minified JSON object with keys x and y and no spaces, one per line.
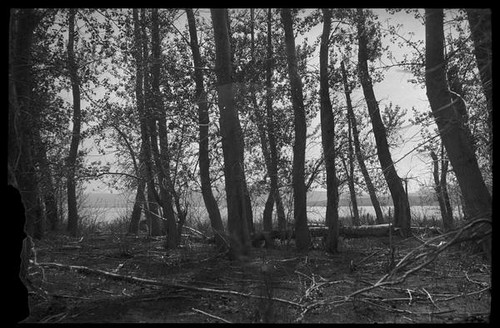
{"x":395,"y":88}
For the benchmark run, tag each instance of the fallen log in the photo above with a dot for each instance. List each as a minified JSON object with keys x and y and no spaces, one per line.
{"x":377,"y":230}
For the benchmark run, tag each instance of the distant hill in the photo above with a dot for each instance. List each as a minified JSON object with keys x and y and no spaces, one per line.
{"x":314,"y":198}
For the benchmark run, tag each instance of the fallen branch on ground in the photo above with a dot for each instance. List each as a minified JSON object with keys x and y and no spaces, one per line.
{"x":132,"y":279}
{"x":211,"y":315}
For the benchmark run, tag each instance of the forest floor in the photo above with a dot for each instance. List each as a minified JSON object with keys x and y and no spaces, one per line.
{"x":117,"y":278}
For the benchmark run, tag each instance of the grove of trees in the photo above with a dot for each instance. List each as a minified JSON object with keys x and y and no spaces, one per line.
{"x":230,"y":103}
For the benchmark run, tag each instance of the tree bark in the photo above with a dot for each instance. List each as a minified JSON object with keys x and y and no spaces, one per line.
{"x":328,"y":139}
{"x":299,"y":148}
{"x":480,"y":26}
{"x":451,"y":128}
{"x":75,"y":136}
{"x":270,"y":123}
{"x":140,"y":199}
{"x":267,"y":216}
{"x":357,"y":147}
{"x":46,"y":184}
{"x":162,"y":158}
{"x":204,"y":121}
{"x":350,"y":175}
{"x":143,"y":119}
{"x":402,"y":216}
{"x":444,"y":188}
{"x":20,"y":138}
{"x":232,"y":147}
{"x":445,"y":215}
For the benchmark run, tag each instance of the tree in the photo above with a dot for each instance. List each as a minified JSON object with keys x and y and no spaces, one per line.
{"x":152,"y":196}
{"x":162,"y":156}
{"x":75,"y":137}
{"x":271,"y":129}
{"x":400,"y":199}
{"x":230,"y":131}
{"x":20,"y":158}
{"x":203,"y":121}
{"x":451,"y":127}
{"x":303,"y":237}
{"x":480,"y":26}
{"x":328,"y":139}
{"x":357,"y":148}
{"x":441,"y":191}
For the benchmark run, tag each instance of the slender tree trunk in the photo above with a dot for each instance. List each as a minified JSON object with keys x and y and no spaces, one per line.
{"x":163,"y":206}
{"x":445,"y":215}
{"x":328,"y":138}
{"x":273,"y":152}
{"x":267,"y":215}
{"x":231,"y":138}
{"x":21,"y":126}
{"x":480,"y":26}
{"x":452,"y":130}
{"x":350,"y":175}
{"x":299,"y":148}
{"x":145,"y":133}
{"x":352,"y":192}
{"x":204,"y":121}
{"x":444,"y":189}
{"x":402,"y":216}
{"x":357,"y":148}
{"x":163,"y":158}
{"x":75,"y":137}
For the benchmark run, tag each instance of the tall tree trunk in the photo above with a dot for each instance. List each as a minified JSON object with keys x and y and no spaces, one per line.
{"x":350,"y":175}
{"x":75,"y":136}
{"x":357,"y":148}
{"x":204,"y":121}
{"x":246,"y":195}
{"x":163,"y":208}
{"x":303,"y":237}
{"x":163,"y":158}
{"x":267,"y":215}
{"x":480,"y":26}
{"x":328,"y":138}
{"x":270,"y":123}
{"x":21,"y":125}
{"x":452,"y":130}
{"x":261,"y":123}
{"x":402,"y":216}
{"x":143,"y":118}
{"x":230,"y":130}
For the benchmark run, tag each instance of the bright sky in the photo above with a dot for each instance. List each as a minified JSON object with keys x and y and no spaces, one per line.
{"x":394,"y":88}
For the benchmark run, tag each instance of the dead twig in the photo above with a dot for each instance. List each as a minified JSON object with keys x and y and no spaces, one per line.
{"x":462,"y":295}
{"x":211,"y":315}
{"x":196,"y":231}
{"x":430,"y":298}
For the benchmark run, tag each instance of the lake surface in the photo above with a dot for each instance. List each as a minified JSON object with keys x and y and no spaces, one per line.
{"x":314,"y":213}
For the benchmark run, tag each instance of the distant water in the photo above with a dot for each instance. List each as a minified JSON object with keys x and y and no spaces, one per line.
{"x":314,"y":213}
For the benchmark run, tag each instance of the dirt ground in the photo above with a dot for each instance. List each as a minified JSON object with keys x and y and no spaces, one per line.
{"x":117,"y":278}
